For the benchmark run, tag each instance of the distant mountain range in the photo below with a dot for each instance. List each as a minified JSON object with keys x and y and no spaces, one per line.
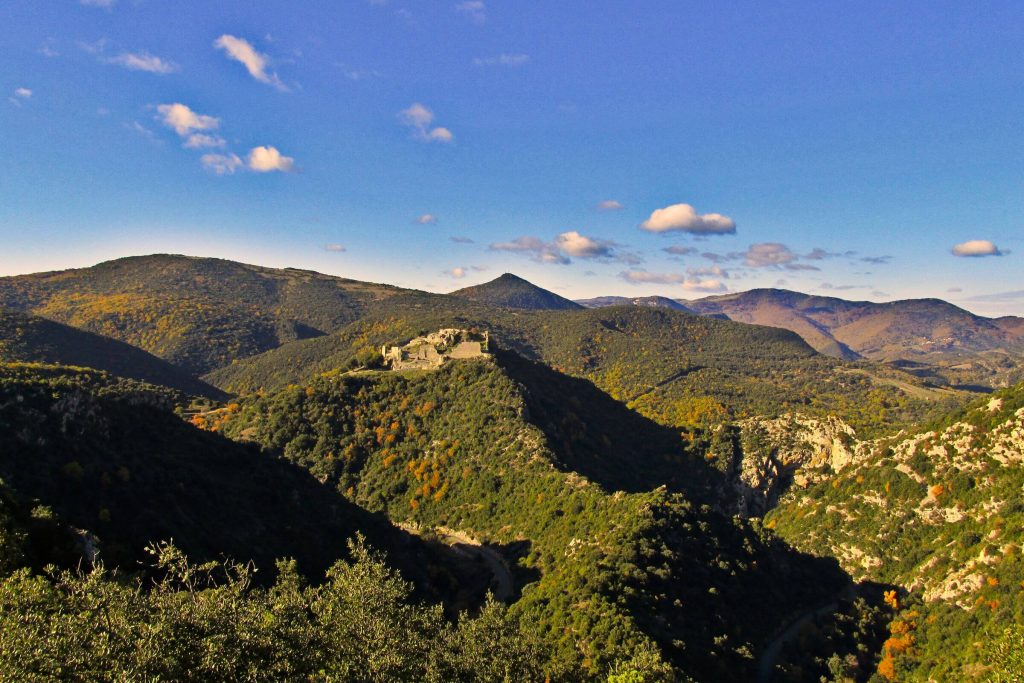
{"x":930,"y":337}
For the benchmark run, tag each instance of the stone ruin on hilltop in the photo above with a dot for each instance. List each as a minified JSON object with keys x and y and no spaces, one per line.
{"x":436,"y":349}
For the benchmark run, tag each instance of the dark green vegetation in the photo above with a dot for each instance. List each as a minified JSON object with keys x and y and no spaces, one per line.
{"x":467,"y":447}
{"x":939,"y":514}
{"x":29,"y":338}
{"x":510,"y":291}
{"x":198,"y":313}
{"x":676,"y":368}
{"x":929,"y":337}
{"x":580,"y":473}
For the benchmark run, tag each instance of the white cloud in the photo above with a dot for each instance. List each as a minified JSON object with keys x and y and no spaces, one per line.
{"x":419,"y":118}
{"x":476,"y":10}
{"x":426,"y":219}
{"x":184,"y":121}
{"x":976,"y":248}
{"x":255,"y":62}
{"x":265,"y":159}
{"x":768,"y":254}
{"x":684,"y":218}
{"x":458,"y":272}
{"x":337,"y":248}
{"x":609,"y":205}
{"x":203,"y":141}
{"x":688,"y":283}
{"x":143,"y":61}
{"x":573,"y":243}
{"x":504,"y":59}
{"x":222,"y":164}
{"x":47,"y":49}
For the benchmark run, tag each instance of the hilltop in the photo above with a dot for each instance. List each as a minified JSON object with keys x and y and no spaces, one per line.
{"x":197,"y":313}
{"x":511,"y":291}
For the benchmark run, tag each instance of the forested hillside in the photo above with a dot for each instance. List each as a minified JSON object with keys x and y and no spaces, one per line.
{"x":28,"y":338}
{"x":197,"y":313}
{"x":464,"y":447}
{"x":676,"y":368}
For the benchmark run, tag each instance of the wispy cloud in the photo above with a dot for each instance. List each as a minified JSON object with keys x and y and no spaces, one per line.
{"x":565,"y":247}
{"x":679,"y":250}
{"x":221,"y":164}
{"x":689,"y":283}
{"x":476,"y":10}
{"x":420,"y":119}
{"x":256,"y":63}
{"x":336,"y":248}
{"x":609,"y":205}
{"x":204,"y":141}
{"x":20,"y":95}
{"x":425,"y":219}
{"x":143,"y":61}
{"x":1000,"y":297}
{"x":104,"y":4}
{"x":462,"y":240}
{"x":684,"y":218}
{"x":977,"y":248}
{"x":508,"y":59}
{"x":457,"y":272}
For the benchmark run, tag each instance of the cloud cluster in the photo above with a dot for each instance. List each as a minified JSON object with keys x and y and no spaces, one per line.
{"x":420,"y":120}
{"x":976,"y":249}
{"x":195,"y":130}
{"x":256,"y":63}
{"x":263,"y":159}
{"x":684,"y":218}
{"x":565,"y":247}
{"x":143,"y":61}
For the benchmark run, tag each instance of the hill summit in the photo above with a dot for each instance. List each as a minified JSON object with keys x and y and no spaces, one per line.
{"x":512,"y":291}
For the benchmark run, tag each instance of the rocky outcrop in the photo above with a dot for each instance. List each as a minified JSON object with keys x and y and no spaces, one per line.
{"x":770,"y":455}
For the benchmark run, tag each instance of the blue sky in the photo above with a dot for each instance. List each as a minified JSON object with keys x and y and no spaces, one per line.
{"x":648,"y":147}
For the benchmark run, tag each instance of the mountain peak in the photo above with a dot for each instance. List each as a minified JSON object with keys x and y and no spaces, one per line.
{"x":511,"y":291}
